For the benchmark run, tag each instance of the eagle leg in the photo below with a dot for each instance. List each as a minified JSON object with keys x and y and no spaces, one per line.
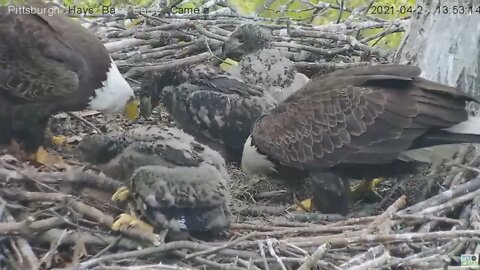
{"x":29,"y":125}
{"x":16,"y":150}
{"x":40,"y":156}
{"x":331,"y":193}
{"x":366,"y":189}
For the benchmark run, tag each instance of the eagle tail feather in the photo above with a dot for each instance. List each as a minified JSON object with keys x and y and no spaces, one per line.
{"x":458,"y":134}
{"x":470,"y":126}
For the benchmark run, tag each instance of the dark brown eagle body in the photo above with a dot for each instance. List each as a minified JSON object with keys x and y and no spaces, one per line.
{"x":214,"y":107}
{"x":48,"y":64}
{"x":357,"y":117}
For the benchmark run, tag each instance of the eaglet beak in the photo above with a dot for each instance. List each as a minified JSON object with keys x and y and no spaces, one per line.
{"x":132,"y":109}
{"x":146,"y":107}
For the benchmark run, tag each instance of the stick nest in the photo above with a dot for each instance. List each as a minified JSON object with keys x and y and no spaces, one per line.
{"x":59,"y":216}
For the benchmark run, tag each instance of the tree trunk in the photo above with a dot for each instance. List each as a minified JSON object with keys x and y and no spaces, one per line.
{"x":445,"y":46}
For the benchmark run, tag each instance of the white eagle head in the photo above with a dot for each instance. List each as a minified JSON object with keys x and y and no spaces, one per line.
{"x":115,"y":95}
{"x":254,"y":163}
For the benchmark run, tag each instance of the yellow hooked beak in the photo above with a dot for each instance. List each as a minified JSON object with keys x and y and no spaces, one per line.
{"x":132,"y":110}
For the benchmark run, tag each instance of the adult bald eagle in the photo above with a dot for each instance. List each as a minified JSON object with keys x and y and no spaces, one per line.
{"x":356,"y":122}
{"x":216,"y":108}
{"x":48,"y":64}
{"x":177,"y":183}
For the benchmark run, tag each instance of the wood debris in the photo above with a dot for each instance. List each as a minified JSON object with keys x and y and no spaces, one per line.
{"x":60,"y":218}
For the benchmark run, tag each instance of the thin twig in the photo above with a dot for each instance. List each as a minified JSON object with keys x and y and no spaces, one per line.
{"x":313,"y":259}
{"x":85,"y":121}
{"x":274,"y":254}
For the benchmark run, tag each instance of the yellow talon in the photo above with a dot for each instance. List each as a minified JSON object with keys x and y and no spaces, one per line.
{"x":59,"y":140}
{"x":121,"y":195}
{"x":47,"y":159}
{"x":366,"y":186}
{"x":304,"y":206}
{"x":130,"y":221}
{"x":362,"y":190}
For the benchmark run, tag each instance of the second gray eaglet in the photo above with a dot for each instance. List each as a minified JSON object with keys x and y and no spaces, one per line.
{"x":217,"y":109}
{"x":176,"y":183}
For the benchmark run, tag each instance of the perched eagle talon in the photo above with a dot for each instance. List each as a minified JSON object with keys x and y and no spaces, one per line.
{"x":45,"y":158}
{"x":131,"y":222}
{"x":304,"y":206}
{"x":366,"y":189}
{"x":121,"y":195}
{"x":58,"y":140}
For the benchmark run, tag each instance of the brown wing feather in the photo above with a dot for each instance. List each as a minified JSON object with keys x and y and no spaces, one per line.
{"x":36,"y":48}
{"x":32,"y":55}
{"x":368,"y":115}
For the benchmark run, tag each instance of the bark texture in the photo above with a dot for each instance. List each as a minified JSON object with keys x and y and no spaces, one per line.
{"x":444,"y":46}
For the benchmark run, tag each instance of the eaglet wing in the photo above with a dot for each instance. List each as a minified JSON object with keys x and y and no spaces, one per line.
{"x":219,"y":81}
{"x":229,"y":117}
{"x":181,"y":187}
